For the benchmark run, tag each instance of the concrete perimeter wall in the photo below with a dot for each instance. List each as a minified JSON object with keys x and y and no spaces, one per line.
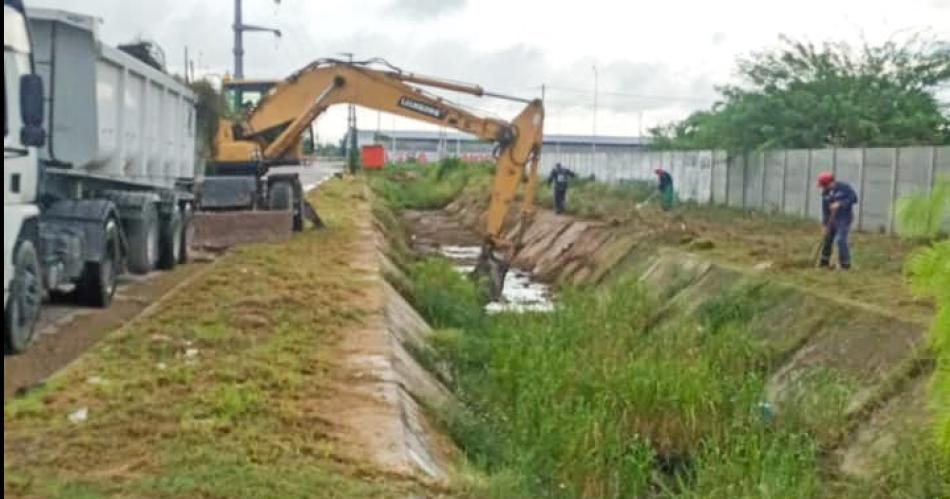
{"x":781,"y":181}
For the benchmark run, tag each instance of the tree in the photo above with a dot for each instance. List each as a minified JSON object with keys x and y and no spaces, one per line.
{"x":210,"y":107}
{"x":807,"y":96}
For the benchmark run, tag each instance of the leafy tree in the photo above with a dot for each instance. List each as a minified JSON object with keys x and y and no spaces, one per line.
{"x":803,"y":95}
{"x":210,"y":107}
{"x":929,"y":270}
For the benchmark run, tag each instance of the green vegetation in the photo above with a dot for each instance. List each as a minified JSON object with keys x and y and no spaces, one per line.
{"x":801,"y":95}
{"x":590,"y":199}
{"x":413,"y":186}
{"x":210,"y":107}
{"x":929,"y":270}
{"x":225,"y":391}
{"x":595,"y":400}
{"x":612,"y":395}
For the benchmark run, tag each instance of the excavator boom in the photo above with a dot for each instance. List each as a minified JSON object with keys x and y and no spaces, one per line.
{"x":271,"y":130}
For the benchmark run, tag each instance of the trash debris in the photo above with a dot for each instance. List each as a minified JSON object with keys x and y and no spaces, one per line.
{"x":95,"y":380}
{"x":80,"y":416}
{"x":191,"y":353}
{"x":767,"y":412}
{"x":161,"y":366}
{"x":762,"y":267}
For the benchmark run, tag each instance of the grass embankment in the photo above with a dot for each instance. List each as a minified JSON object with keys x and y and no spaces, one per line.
{"x":215,"y":394}
{"x":602,"y":398}
{"x":411,"y":186}
{"x":786,"y":244}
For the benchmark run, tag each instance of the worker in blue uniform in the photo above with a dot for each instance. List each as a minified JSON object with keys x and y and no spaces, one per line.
{"x":561,"y":178}
{"x":837,"y":215}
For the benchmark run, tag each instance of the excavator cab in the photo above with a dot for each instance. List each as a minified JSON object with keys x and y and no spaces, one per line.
{"x":268,"y":132}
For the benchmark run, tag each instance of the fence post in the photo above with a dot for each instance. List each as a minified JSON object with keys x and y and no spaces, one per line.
{"x":745,"y":179}
{"x":861,"y":179}
{"x":834,"y":161}
{"x":933,"y":170}
{"x":807,"y":190}
{"x":892,"y":216}
{"x":728,"y":158}
{"x":765,"y":178}
{"x":784,"y":180}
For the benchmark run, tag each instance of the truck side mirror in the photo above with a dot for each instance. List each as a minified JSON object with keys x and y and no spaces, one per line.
{"x":32,"y":111}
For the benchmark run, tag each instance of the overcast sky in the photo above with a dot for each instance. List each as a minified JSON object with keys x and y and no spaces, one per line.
{"x":655,"y":60}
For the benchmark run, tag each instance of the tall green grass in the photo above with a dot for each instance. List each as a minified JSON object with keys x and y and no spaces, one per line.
{"x":427,"y":187}
{"x":929,"y":270}
{"x":590,"y":199}
{"x":592,"y":400}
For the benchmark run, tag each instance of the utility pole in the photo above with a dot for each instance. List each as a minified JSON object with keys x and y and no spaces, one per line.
{"x":352,"y":156}
{"x":239,"y":28}
{"x":593,"y":143}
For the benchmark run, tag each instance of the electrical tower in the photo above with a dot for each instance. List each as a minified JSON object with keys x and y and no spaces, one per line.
{"x":239,"y":29}
{"x":352,"y":153}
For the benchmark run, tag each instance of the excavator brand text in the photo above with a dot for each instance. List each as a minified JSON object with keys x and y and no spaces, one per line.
{"x":421,"y":107}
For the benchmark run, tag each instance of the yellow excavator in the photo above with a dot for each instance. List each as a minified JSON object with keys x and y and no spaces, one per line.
{"x":269,"y":134}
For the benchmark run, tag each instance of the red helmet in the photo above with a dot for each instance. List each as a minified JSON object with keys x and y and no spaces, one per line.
{"x":825,"y":179}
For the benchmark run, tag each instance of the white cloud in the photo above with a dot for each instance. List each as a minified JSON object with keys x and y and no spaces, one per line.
{"x":658,"y":60}
{"x":425,"y":9}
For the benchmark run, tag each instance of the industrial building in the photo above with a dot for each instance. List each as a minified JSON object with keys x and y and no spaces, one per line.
{"x":433,"y":145}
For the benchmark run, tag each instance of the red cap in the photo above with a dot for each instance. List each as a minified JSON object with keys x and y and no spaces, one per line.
{"x":825,"y":179}
{"x":658,"y":171}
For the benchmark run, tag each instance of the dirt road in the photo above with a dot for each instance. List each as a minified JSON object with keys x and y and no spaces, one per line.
{"x":66,"y":331}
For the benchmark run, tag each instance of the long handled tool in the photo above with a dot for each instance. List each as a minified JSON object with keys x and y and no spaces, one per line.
{"x":646,"y":201}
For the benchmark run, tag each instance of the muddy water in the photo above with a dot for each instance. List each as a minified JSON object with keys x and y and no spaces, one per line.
{"x":436,"y":233}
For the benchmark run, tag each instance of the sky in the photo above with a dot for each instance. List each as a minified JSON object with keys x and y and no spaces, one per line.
{"x":653,"y":62}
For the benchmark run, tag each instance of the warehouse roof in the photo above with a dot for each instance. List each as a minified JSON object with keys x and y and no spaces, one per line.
{"x":425,"y":135}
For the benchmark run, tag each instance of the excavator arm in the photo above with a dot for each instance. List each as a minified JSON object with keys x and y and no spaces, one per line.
{"x":272,"y":129}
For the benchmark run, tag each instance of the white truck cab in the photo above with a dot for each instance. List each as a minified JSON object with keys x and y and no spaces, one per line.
{"x":22,"y":134}
{"x":98,"y":178}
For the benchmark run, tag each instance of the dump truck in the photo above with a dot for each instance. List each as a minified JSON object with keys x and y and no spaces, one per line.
{"x":99,"y":166}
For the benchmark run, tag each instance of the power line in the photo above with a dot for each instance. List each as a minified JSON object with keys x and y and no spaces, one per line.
{"x":629,"y":95}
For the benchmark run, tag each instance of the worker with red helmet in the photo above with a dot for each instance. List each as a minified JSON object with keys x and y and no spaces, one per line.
{"x":837,"y":215}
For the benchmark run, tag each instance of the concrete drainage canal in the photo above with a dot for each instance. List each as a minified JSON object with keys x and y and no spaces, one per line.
{"x":436,"y":234}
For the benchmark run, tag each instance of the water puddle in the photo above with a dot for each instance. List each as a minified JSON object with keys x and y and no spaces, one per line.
{"x":521,"y":293}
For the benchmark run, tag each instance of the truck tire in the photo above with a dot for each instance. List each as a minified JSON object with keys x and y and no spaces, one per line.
{"x":100,"y":279}
{"x":281,"y":197}
{"x":144,"y":241}
{"x":187,"y":234}
{"x":26,"y":296}
{"x":170,"y":251}
{"x":298,"y":215}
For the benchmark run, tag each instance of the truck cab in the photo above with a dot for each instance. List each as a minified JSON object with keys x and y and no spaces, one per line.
{"x":96,"y":177}
{"x":23,"y":133}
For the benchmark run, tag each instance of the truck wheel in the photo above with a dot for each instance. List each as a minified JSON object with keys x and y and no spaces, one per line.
{"x":170,"y":252}
{"x":281,"y":197}
{"x":26,"y":293}
{"x":100,"y":279}
{"x":187,"y":234}
{"x":144,"y":239}
{"x":298,"y":216}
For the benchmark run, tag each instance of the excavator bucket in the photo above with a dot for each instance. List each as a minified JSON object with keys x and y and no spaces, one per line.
{"x":236,"y":211}
{"x":490,"y":272}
